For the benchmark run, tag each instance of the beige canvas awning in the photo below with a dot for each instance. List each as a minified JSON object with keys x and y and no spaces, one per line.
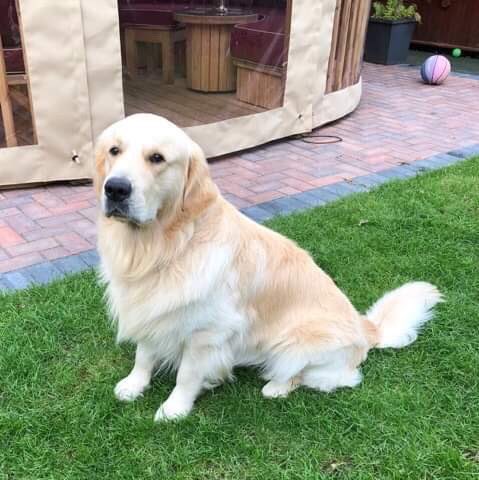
{"x":73,"y":60}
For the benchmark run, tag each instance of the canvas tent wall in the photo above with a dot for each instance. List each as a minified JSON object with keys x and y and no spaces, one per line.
{"x":73,"y":77}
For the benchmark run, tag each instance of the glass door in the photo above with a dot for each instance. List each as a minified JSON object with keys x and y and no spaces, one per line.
{"x":199,"y":62}
{"x":17,"y":119}
{"x":45,"y":128}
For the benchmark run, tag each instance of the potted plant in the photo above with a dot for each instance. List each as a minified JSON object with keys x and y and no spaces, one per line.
{"x":390,"y":31}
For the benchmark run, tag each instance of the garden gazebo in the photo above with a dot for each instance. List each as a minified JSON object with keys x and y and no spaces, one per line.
{"x":233,"y":73}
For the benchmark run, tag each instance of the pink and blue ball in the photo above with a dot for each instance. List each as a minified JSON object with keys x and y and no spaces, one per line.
{"x":435,"y":70}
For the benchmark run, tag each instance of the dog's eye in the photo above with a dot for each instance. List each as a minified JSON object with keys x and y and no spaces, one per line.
{"x":114,"y":151}
{"x":157,"y":158}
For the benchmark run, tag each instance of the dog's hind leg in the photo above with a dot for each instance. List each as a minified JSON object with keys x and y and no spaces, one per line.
{"x":133,"y":386}
{"x":340,"y":370}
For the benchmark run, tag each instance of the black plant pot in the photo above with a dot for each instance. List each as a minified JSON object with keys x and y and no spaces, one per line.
{"x":387,"y":41}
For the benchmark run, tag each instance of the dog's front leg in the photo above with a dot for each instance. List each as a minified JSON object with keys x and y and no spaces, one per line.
{"x":202,"y":363}
{"x":132,"y":386}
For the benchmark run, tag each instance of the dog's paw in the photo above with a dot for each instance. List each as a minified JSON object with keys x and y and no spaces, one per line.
{"x":129,"y":389}
{"x":172,"y":409}
{"x":278,"y":390}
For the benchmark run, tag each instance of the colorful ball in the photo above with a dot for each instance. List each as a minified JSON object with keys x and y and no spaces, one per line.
{"x":435,"y":70}
{"x":457,"y":52}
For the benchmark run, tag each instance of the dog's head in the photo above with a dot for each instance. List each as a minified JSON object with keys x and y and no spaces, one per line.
{"x":143,"y":165}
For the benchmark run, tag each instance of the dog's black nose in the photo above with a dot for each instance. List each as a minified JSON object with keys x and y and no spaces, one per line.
{"x":117,"y":189}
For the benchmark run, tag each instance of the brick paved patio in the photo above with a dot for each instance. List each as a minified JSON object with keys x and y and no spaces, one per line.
{"x":399,"y":120}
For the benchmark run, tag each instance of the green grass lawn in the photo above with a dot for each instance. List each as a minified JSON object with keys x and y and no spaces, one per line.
{"x":416,"y":415}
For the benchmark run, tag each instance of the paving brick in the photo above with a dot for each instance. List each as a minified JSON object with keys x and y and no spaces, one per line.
{"x":83,"y":227}
{"x":54,"y":253}
{"x":463,"y":152}
{"x":59,"y":220}
{"x":91,"y":213}
{"x":371,"y":180}
{"x":341,"y":189}
{"x":90,"y":257}
{"x":321,"y":182}
{"x":399,"y":172}
{"x":69,"y":207}
{"x":35,"y":210}
{"x":8,"y":212}
{"x":299,"y":184}
{"x":236,"y":201}
{"x":264,"y":197}
{"x":73,"y":242}
{"x":431,"y":163}
{"x":284,"y":205}
{"x":309,"y":199}
{"x":20,"y":261}
{"x":72,"y":264}
{"x":48,"y":199}
{"x":35,"y":246}
{"x":46,"y":232}
{"x":17,"y":280}
{"x":264,"y":187}
{"x":21,"y":223}
{"x":257,"y":213}
{"x":14,"y":202}
{"x":78,"y":197}
{"x":42,"y":273}
{"x":323,"y":194}
{"x":9,"y":237}
{"x":4,"y":286}
{"x":288,"y":191}
{"x":355,"y":188}
{"x":443,"y":159}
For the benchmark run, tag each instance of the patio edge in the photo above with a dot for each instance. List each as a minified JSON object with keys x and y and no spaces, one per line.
{"x":49,"y":271}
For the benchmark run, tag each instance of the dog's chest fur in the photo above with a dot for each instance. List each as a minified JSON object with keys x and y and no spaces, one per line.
{"x":169,"y":306}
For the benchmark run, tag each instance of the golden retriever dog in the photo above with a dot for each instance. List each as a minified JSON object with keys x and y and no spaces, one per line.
{"x":201,"y":288}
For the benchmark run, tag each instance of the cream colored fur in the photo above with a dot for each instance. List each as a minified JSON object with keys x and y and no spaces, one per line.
{"x":200,"y":288}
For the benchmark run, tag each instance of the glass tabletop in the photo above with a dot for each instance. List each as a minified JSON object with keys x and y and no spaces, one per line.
{"x":212,"y":11}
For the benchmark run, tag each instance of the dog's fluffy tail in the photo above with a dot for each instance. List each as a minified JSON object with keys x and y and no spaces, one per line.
{"x":399,"y":315}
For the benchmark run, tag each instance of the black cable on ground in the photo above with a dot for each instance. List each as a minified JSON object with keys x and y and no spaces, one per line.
{"x":318,"y":139}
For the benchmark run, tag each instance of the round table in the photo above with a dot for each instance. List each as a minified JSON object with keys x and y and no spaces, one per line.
{"x":209,"y":67}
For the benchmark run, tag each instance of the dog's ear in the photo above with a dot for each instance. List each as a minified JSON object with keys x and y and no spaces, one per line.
{"x":197,"y":186}
{"x":99,"y":174}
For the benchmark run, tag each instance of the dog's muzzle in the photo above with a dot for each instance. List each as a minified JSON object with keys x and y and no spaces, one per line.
{"x":117,"y":192}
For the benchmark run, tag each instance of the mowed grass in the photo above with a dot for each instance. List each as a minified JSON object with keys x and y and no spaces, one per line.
{"x":414,"y":416}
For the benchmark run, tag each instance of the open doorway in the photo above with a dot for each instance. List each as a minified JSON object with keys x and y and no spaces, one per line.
{"x":197,"y":62}
{"x":16,"y":119}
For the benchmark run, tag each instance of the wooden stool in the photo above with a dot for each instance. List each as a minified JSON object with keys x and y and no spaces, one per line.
{"x":165,"y":37}
{"x":259,"y":85}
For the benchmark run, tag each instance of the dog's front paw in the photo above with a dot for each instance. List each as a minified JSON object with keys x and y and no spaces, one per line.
{"x":129,"y":389}
{"x":172,"y":409}
{"x":278,"y":390}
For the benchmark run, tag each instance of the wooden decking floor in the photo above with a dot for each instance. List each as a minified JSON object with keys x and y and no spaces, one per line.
{"x":182,"y":106}
{"x":149,"y":94}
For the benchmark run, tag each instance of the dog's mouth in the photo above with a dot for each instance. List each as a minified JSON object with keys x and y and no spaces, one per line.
{"x":120,"y":213}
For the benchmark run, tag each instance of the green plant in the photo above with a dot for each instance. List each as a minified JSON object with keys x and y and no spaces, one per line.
{"x":395,"y":10}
